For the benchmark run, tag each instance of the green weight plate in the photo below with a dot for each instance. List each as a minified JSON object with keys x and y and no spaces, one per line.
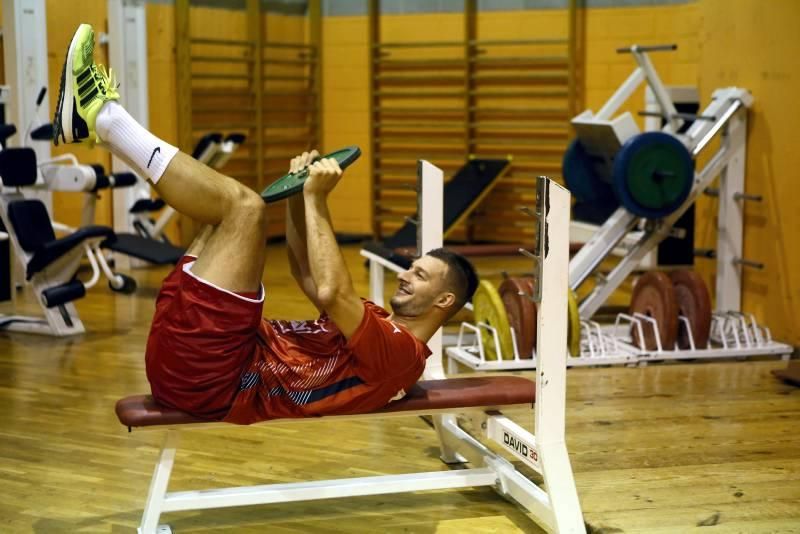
{"x":573,"y":325}
{"x":292,"y":183}
{"x":489,"y":309}
{"x":653,"y":174}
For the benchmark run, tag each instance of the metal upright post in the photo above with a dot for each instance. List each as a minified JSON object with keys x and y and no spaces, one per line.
{"x":730,"y":221}
{"x":25,"y":59}
{"x":127,"y":52}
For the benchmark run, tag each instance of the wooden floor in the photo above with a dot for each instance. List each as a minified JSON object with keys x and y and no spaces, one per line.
{"x":706,"y":447}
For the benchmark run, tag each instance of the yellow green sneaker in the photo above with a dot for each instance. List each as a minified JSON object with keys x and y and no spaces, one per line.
{"x":85,"y":87}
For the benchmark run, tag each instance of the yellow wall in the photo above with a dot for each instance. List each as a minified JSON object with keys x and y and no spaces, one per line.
{"x":749,"y":43}
{"x":756,"y":45}
{"x":62,"y":19}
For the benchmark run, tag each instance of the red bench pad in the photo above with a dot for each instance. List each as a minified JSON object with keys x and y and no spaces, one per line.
{"x":142,"y":410}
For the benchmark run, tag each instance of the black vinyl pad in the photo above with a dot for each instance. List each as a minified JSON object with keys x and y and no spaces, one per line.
{"x":461,"y":195}
{"x":150,"y":250}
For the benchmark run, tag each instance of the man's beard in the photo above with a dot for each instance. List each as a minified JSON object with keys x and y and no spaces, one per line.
{"x":408,"y":308}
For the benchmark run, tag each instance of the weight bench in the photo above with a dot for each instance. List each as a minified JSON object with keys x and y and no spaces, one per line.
{"x":482,"y":398}
{"x":554,"y":505}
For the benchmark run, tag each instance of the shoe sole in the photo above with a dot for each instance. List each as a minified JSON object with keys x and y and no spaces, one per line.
{"x":66,"y":96}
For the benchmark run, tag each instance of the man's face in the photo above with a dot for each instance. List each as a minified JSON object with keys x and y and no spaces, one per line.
{"x":419,"y":287}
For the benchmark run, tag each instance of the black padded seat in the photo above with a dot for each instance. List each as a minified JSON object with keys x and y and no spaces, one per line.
{"x":6,"y":131}
{"x":144,"y":248}
{"x":35,"y":234}
{"x":147,"y":205}
{"x":205,"y":142}
{"x":18,"y":167}
{"x":45,"y":132}
{"x":123,"y":179}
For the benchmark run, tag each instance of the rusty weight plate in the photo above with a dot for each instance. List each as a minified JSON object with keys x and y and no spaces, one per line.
{"x":694,"y":303}
{"x":521,"y":313}
{"x":654,"y":296}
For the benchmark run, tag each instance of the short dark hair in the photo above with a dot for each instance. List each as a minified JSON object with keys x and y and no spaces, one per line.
{"x":461,"y":276}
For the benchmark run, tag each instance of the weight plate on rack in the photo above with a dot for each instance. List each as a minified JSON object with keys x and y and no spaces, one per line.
{"x":653,"y":174}
{"x":654,"y":296}
{"x":694,"y":303}
{"x":289,"y":184}
{"x":489,"y":309}
{"x":583,"y":182}
{"x":521,"y":312}
{"x":573,"y":325}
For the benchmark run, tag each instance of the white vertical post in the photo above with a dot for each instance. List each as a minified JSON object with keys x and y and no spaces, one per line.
{"x":551,"y":364}
{"x":731,"y":216}
{"x":159,"y":484}
{"x":430,"y":235}
{"x":127,"y":52}
{"x":25,"y":57}
{"x":376,"y":282}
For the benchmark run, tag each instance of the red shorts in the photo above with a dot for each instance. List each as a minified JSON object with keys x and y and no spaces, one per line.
{"x":201,"y":340}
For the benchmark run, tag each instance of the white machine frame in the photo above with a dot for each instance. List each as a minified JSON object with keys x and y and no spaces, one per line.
{"x":61,"y":320}
{"x":554,"y":506}
{"x":734,"y":334}
{"x":127,"y":53}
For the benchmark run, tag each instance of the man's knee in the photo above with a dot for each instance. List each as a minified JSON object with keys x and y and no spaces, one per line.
{"x":248,"y":206}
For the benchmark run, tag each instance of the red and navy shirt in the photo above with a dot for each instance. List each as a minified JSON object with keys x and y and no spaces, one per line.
{"x":308,"y":368}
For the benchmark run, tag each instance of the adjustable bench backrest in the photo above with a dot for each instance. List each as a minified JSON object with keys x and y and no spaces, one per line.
{"x":31,"y":223}
{"x":28,"y":217}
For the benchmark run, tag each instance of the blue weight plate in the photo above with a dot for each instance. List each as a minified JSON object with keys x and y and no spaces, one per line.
{"x":653,"y":174}
{"x":582,"y":181}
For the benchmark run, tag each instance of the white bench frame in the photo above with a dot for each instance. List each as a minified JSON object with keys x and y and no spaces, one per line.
{"x":554,"y":506}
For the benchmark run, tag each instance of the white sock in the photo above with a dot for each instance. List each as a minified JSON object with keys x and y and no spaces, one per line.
{"x":126,"y":138}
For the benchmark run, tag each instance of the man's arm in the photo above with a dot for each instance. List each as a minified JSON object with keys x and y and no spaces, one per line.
{"x":328,"y":270}
{"x":298,"y":251}
{"x":296,"y":235}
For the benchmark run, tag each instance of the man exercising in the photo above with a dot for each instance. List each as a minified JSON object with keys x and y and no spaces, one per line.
{"x":210,"y":353}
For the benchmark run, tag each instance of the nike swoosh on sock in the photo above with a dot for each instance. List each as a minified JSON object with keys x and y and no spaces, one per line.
{"x":157,"y":150}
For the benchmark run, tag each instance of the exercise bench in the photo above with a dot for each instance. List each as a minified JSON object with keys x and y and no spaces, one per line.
{"x":554,"y":505}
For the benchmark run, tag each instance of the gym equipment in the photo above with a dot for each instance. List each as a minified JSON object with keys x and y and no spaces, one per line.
{"x":650,"y":173}
{"x":462,"y":194}
{"x":653,"y":174}
{"x":579,"y":174}
{"x":694,"y":308}
{"x":521,"y":311}
{"x":653,"y":302}
{"x":65,"y":173}
{"x":50,"y":263}
{"x":573,"y":325}
{"x":490,"y":316}
{"x":556,"y":509}
{"x":292,"y":183}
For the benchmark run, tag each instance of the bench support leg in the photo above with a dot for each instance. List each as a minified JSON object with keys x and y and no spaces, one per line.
{"x":159,"y":483}
{"x":560,"y":484}
{"x":447,"y":452}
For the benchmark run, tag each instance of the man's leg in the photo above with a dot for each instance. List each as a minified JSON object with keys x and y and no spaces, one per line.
{"x":233,"y":257}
